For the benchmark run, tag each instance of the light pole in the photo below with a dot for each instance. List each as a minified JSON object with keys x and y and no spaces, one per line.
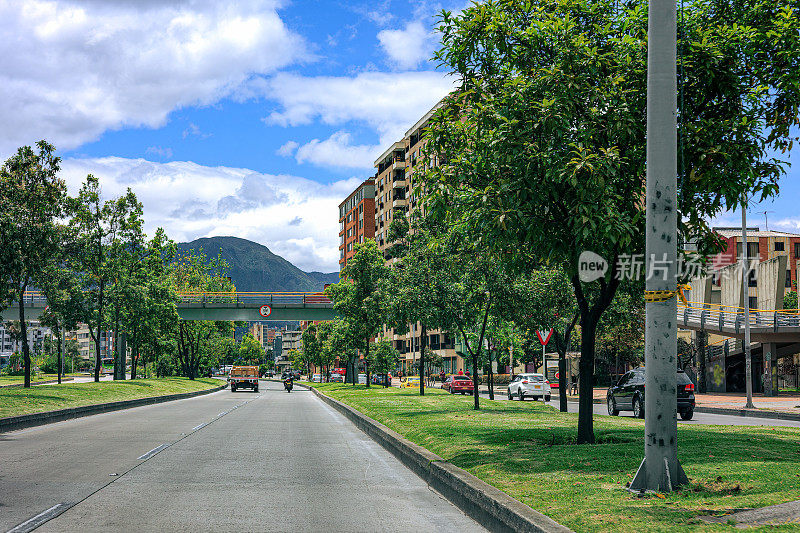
{"x":748,"y":362}
{"x":660,"y":469}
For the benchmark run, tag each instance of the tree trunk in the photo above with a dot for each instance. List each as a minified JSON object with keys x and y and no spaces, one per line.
{"x":491,"y":377}
{"x":117,"y":347}
{"x":23,"y":332}
{"x":586,"y":380}
{"x":134,"y":358}
{"x":562,"y":382}
{"x":98,"y":358}
{"x":702,"y":339}
{"x":366,"y":359}
{"x":59,"y":339}
{"x":423,"y":343}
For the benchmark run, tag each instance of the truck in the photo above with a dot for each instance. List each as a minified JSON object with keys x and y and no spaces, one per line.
{"x":244,"y":377}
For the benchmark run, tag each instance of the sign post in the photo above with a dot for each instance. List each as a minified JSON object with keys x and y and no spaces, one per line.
{"x":544,"y":338}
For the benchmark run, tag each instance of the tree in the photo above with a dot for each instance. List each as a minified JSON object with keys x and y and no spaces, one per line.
{"x":542,"y":144}
{"x":312,"y":346}
{"x":334,"y":336}
{"x":31,"y":203}
{"x":99,"y":227}
{"x":192,"y":272}
{"x":250,"y":350}
{"x":63,"y":311}
{"x":360,"y":297}
{"x":385,"y":357}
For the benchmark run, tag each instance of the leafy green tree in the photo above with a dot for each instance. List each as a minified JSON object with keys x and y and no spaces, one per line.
{"x":312,"y":346}
{"x":192,"y":272}
{"x":99,"y":228}
{"x":385,"y":358}
{"x":297,"y":359}
{"x":542,"y":144}
{"x":250,"y":350}
{"x":360,"y":298}
{"x":32,"y":202}
{"x":790,"y":300}
{"x":333,"y":337}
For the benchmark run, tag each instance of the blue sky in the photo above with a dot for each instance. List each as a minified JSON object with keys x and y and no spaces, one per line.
{"x":252,"y":118}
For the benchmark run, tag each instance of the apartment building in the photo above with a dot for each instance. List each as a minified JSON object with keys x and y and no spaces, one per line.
{"x":394,"y":197}
{"x":356,"y":220}
{"x":256,"y":329}
{"x":761,"y":246}
{"x":10,"y":346}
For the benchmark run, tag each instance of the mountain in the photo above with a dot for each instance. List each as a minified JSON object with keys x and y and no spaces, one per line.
{"x":254,"y":268}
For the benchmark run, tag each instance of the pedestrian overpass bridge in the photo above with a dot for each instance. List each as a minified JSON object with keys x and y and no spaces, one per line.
{"x":220,"y":306}
{"x":773,"y":325}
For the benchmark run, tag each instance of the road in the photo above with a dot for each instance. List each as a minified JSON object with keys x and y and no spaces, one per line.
{"x":698,"y":418}
{"x":227,"y":461}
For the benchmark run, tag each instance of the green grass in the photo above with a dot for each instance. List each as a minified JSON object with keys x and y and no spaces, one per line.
{"x":12,"y":380}
{"x":528,"y":450}
{"x":18,"y":401}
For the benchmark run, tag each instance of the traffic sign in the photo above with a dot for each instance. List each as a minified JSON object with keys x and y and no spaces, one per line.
{"x":544,"y":336}
{"x":265,"y":310}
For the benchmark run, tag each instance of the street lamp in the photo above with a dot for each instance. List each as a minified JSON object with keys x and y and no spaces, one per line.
{"x":660,"y":469}
{"x":748,"y":363}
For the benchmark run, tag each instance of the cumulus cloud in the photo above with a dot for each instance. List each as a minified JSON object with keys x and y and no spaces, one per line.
{"x":295,"y":217}
{"x":158,"y":151}
{"x":387,"y":102}
{"x":408,"y":47}
{"x":72,"y":69}
{"x":336,"y":151}
{"x":788,"y":224}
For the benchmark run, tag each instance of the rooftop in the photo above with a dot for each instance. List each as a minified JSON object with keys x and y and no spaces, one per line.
{"x":729,"y":232}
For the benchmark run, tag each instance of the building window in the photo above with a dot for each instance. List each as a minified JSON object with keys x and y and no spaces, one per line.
{"x":360,"y":223}
{"x":752,"y":250}
{"x":797,"y":250}
{"x":751,"y":279}
{"x":778,"y":246}
{"x":788,"y":283}
{"x":753,"y":302}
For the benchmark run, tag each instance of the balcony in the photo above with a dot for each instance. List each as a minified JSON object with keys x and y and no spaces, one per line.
{"x":400,"y":202}
{"x":399,"y":164}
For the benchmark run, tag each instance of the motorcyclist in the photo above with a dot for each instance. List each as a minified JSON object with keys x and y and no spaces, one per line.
{"x":288,"y":382}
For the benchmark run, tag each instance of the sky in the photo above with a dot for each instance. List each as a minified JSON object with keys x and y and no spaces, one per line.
{"x":248,"y":118}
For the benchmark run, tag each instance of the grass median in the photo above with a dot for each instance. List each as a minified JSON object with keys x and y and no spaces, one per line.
{"x":38,"y":378}
{"x":528,"y":450}
{"x":19,"y":401}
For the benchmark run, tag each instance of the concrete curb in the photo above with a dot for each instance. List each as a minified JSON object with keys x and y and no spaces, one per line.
{"x":48,"y":382}
{"x":487,"y":505}
{"x":13,"y":423}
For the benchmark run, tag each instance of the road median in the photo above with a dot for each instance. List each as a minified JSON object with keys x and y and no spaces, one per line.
{"x":489,"y":506}
{"x":31,"y":419}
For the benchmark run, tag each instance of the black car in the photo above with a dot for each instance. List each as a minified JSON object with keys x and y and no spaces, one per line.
{"x":628,"y":395}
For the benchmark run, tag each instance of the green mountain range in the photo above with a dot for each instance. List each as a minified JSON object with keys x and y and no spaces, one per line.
{"x":254,"y":268}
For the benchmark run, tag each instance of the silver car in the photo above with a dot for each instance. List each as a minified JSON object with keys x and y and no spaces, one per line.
{"x":529,"y":386}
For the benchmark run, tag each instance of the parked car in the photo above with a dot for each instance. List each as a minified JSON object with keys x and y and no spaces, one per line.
{"x":316,"y":378}
{"x":409,"y":382}
{"x":379,"y":379}
{"x":529,"y":386}
{"x":628,"y":394}
{"x":362,"y":379}
{"x":454,"y":384}
{"x":336,"y":378}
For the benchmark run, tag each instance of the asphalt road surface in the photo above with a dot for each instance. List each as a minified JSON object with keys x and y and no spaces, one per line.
{"x":227,"y":461}
{"x":698,"y":418}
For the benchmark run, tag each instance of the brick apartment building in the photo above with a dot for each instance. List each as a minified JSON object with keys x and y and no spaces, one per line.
{"x":356,"y":220}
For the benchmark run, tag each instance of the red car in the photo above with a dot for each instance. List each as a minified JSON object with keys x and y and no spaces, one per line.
{"x":456,"y":384}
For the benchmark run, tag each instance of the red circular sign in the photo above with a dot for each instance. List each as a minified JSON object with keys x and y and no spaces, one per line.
{"x":264,"y":310}
{"x":557,"y":375}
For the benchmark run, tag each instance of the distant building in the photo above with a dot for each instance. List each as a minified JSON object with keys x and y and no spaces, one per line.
{"x":356,"y":220}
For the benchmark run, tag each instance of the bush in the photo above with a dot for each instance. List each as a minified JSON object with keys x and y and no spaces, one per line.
{"x":498,"y":379}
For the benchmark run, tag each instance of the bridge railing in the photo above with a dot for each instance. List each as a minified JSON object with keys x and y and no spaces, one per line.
{"x":718,"y":317}
{"x":254,"y":298}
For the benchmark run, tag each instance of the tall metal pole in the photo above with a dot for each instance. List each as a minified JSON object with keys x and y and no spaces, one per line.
{"x":660,"y":469}
{"x":748,"y":362}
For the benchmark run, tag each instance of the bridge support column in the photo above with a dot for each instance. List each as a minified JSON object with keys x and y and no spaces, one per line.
{"x":770,"y":376}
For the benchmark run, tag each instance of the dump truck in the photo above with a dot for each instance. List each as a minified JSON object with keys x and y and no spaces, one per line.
{"x":244,"y":377}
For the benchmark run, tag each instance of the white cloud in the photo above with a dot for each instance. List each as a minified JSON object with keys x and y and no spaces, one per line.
{"x":336,"y":151}
{"x":163,"y":153}
{"x":71,"y":70}
{"x":287,"y":149}
{"x":387,"y":102}
{"x":408,"y":47}
{"x":295,"y":217}
{"x":788,"y":224}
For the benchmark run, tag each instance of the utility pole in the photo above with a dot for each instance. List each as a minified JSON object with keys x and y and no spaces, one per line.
{"x":748,"y":362}
{"x":660,"y":469}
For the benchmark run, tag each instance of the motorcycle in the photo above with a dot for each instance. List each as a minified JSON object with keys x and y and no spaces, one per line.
{"x":288,"y":384}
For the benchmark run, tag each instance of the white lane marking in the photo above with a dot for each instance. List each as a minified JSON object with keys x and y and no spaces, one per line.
{"x":204,"y":424}
{"x":154,"y":451}
{"x":41,"y":518}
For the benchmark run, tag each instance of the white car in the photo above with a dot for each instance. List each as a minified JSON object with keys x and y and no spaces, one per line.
{"x":362,"y":379}
{"x":316,"y":378}
{"x":529,"y":386}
